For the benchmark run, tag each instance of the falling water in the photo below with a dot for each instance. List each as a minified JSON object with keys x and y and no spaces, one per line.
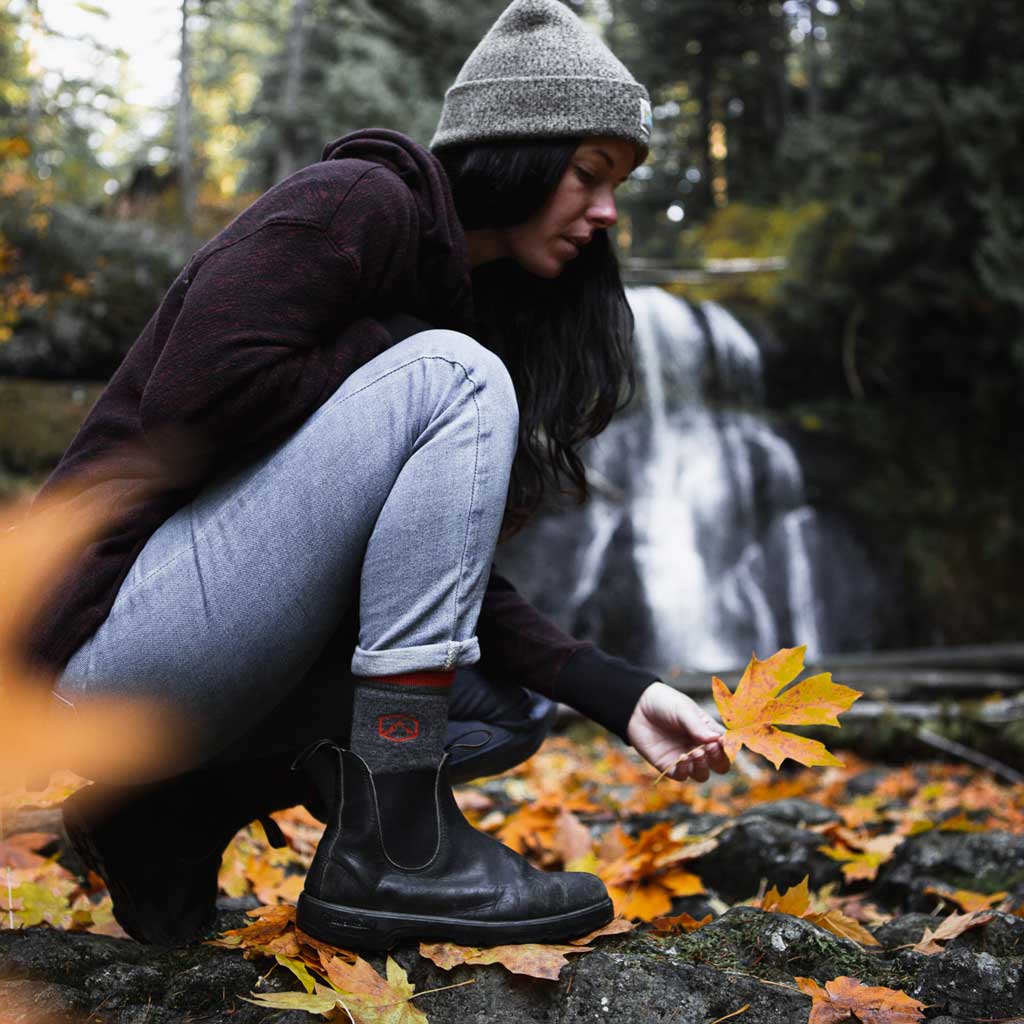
{"x":712,"y":499}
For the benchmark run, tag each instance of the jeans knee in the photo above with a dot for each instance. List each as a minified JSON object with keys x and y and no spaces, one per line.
{"x":487,"y":371}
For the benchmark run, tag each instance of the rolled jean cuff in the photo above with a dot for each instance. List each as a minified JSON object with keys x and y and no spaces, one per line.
{"x":428,"y":658}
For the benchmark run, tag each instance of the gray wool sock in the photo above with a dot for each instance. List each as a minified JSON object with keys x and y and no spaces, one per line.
{"x":399,"y":722}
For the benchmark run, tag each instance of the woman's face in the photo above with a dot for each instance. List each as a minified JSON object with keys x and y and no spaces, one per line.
{"x":582,"y":203}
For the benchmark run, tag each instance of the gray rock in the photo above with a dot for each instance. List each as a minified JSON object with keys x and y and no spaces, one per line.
{"x":27,"y":1002}
{"x":864,"y":783}
{"x":981,"y":861}
{"x":118,"y":985}
{"x":756,"y":848}
{"x":631,"y":979}
{"x":972,"y":985}
{"x":901,"y":930}
{"x":776,"y":946}
{"x":793,"y":811}
{"x":1003,"y":936}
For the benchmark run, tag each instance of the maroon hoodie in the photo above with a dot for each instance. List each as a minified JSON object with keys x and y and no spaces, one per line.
{"x":256,"y":333}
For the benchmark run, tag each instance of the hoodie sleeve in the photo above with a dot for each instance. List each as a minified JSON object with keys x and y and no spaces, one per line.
{"x":519,"y":645}
{"x":271,"y":323}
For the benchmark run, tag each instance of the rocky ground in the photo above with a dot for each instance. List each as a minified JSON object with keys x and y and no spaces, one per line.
{"x":745,"y":956}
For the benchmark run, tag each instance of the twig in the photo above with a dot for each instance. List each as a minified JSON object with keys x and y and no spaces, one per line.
{"x":933,"y":739}
{"x":10,"y":877}
{"x":735,"y":1013}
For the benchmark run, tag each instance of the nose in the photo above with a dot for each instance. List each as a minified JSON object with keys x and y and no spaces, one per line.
{"x":602,"y":212}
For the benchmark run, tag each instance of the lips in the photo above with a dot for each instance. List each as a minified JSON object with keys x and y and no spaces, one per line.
{"x":576,"y":243}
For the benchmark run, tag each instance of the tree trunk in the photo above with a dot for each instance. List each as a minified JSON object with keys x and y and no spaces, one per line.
{"x":289,"y":156}
{"x":186,"y":178}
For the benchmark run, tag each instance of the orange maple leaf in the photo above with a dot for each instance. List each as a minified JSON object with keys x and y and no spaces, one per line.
{"x":678,"y":924}
{"x":759,"y":704}
{"x":844,"y":997}
{"x":968,"y":900}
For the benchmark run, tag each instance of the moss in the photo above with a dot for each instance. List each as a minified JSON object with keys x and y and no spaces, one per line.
{"x":778,"y":947}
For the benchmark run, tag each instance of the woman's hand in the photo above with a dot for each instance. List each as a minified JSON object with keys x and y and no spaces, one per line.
{"x":666,"y":724}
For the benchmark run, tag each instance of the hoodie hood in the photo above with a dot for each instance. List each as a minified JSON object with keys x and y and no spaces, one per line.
{"x":444,"y":257}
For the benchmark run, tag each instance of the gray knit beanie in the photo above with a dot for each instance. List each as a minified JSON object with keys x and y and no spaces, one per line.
{"x":541,"y":73}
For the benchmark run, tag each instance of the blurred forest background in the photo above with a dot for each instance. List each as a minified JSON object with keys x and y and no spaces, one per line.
{"x":871,"y":148}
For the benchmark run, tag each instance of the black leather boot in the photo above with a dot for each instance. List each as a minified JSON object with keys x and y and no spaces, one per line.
{"x":399,"y":861}
{"x":158,"y":847}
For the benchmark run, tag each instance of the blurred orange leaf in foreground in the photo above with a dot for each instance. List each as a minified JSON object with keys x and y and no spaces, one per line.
{"x":106,"y":739}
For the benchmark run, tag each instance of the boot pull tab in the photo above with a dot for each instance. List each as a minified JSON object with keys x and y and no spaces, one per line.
{"x":307,"y":752}
{"x":273,"y":831}
{"x":455,"y":744}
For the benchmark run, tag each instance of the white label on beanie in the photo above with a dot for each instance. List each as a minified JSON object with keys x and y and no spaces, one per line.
{"x":646,"y":119}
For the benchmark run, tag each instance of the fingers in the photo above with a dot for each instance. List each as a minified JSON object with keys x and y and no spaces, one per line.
{"x":701,"y":761}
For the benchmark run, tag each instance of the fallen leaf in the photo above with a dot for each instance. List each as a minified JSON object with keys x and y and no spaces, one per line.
{"x":678,"y":924}
{"x":796,"y":901}
{"x":949,"y":928}
{"x":759,"y":704}
{"x":535,"y":960}
{"x":845,"y":997}
{"x":323,"y":1001}
{"x":299,"y":969}
{"x":616,"y":926}
{"x":19,"y":851}
{"x":643,"y":900}
{"x":370,"y":998}
{"x":967,"y":900}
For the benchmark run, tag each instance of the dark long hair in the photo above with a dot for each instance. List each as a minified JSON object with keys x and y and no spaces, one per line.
{"x":567,"y":341}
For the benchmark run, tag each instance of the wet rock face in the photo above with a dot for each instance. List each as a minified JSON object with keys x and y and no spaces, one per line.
{"x":758,"y":847}
{"x":793,"y":811}
{"x":981,"y":861}
{"x":962,"y":982}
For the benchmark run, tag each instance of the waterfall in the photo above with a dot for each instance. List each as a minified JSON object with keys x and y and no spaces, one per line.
{"x":712,"y":497}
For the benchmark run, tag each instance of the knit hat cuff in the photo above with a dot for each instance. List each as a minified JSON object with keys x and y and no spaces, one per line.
{"x":573,"y":107}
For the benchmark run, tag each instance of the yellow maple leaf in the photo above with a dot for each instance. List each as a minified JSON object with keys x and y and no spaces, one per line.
{"x":796,"y":901}
{"x":760,"y":703}
{"x":368,"y":997}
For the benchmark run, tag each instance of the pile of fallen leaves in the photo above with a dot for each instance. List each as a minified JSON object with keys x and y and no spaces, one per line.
{"x":570,"y":807}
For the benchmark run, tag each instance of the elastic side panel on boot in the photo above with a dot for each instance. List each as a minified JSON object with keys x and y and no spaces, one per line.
{"x":408,"y":816}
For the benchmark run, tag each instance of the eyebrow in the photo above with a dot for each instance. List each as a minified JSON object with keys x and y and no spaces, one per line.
{"x":611,"y":162}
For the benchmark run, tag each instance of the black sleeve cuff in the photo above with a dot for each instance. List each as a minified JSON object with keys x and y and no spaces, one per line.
{"x":602,"y":687}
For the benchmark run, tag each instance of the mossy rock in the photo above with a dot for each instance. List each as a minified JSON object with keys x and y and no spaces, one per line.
{"x":985,"y":862}
{"x":779,"y":947}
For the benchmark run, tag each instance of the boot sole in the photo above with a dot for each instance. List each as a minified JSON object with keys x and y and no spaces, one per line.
{"x":373,"y":929}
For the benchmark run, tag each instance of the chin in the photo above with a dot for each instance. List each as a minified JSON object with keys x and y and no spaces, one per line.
{"x":547,"y":269}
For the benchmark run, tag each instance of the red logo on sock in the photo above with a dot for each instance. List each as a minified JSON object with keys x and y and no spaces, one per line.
{"x":398,"y":728}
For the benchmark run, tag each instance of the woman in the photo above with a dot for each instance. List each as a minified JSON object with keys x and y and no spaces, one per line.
{"x":319,"y":563}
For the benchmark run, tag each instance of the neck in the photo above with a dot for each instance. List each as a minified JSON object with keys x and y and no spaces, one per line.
{"x":485,"y":245}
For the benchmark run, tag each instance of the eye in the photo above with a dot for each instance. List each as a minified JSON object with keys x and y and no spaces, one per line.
{"x":585,"y":176}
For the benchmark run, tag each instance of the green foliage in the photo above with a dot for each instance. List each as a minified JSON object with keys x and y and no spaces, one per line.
{"x":743,"y":231}
{"x":918,"y":263}
{"x":92,"y":283}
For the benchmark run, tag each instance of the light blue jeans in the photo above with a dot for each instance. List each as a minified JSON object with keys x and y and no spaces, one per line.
{"x":387,"y":501}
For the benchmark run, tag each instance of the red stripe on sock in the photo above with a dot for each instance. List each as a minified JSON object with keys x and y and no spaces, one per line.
{"x":417,"y":679}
